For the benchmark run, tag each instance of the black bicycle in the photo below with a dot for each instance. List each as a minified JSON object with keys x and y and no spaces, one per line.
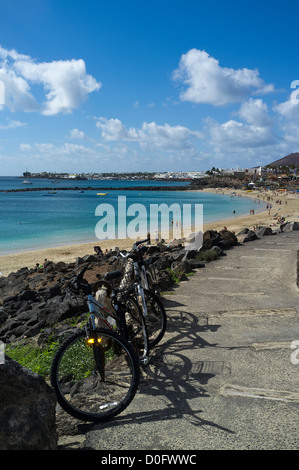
{"x":140,"y":280}
{"x":95,"y":372}
{"x":122,"y":312}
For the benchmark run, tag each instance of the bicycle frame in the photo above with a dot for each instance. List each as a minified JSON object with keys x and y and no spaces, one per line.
{"x":133,"y":269}
{"x":140,"y":268}
{"x":140,"y":279}
{"x":139,"y":287}
{"x":96,"y":309}
{"x":109,"y":319}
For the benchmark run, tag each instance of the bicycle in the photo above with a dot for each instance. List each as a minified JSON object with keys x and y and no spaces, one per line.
{"x":143,"y":284}
{"x":95,"y":372}
{"x":123,"y":313}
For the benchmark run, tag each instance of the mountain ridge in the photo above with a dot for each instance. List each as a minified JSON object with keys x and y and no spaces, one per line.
{"x":288,"y":160}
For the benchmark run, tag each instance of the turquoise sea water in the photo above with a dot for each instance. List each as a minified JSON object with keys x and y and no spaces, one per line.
{"x":32,"y":220}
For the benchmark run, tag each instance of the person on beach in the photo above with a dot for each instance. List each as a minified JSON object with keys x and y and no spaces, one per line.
{"x":46,"y":263}
{"x":39,"y":268}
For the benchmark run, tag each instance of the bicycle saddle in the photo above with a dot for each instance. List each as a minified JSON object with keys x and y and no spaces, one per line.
{"x":112,"y":275}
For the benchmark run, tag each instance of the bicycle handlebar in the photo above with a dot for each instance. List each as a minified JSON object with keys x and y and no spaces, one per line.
{"x":139,"y":242}
{"x":76,"y":281}
{"x":80,"y":275}
{"x":134,"y":248}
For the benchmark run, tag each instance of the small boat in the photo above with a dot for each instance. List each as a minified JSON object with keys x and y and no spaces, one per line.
{"x":101,"y":194}
{"x":27,"y":182}
{"x":81,"y":191}
{"x":49,"y":193}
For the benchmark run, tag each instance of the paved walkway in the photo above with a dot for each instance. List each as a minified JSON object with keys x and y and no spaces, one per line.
{"x":223,"y":377}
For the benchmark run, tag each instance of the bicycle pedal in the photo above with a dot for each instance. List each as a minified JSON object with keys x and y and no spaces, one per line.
{"x":144,"y":360}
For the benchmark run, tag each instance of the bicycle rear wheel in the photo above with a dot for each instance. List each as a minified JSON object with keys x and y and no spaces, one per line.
{"x":137,"y":333}
{"x":155,"y":319}
{"x":152,"y":280}
{"x":97,"y":381}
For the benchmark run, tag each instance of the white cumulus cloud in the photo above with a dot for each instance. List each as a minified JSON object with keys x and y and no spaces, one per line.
{"x":255,"y":112}
{"x":150,"y":134}
{"x":65,"y":83}
{"x":288,"y":112}
{"x":12,"y":125}
{"x":77,"y":134}
{"x":256,"y":130}
{"x":205,"y":81}
{"x":232,"y":134}
{"x":289,"y":109}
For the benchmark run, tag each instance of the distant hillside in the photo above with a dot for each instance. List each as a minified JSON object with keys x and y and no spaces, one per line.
{"x":292,"y":159}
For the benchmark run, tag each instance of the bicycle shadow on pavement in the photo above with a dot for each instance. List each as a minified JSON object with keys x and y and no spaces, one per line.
{"x":173,"y":386}
{"x":172,"y":379}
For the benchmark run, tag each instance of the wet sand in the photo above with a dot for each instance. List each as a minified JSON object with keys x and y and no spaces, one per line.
{"x":289,"y":208}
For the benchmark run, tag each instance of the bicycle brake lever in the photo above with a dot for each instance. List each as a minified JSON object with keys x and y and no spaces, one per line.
{"x":82,"y":272}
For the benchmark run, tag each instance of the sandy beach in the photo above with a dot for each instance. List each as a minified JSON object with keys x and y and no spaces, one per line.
{"x":283,"y":204}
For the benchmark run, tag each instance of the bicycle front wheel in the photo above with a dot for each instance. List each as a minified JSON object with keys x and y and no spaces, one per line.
{"x":97,"y":381}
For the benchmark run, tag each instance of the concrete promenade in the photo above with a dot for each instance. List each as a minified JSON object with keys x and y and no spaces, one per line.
{"x":224,"y":376}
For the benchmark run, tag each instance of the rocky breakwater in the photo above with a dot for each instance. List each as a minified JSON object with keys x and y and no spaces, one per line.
{"x":91,"y":188}
{"x":35,"y":302}
{"x":36,"y":309}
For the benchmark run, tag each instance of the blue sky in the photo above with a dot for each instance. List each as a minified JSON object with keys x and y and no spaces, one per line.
{"x":162,"y":85}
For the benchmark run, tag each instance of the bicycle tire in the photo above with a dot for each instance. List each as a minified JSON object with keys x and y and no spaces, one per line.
{"x":95,"y":383}
{"x":137,"y":333}
{"x":152,"y":281}
{"x":156,"y":320}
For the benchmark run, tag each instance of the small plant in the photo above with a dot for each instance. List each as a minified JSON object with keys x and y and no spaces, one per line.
{"x":174,"y":275}
{"x":78,"y":321}
{"x":207,"y":255}
{"x":32,"y":357}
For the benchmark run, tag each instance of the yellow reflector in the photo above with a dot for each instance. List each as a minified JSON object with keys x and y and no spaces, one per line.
{"x":91,"y":340}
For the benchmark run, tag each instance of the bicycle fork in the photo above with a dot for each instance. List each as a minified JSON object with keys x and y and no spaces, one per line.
{"x":140,"y":295}
{"x":94,"y":341}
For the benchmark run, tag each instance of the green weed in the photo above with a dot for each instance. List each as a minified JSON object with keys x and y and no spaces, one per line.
{"x":32,"y":357}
